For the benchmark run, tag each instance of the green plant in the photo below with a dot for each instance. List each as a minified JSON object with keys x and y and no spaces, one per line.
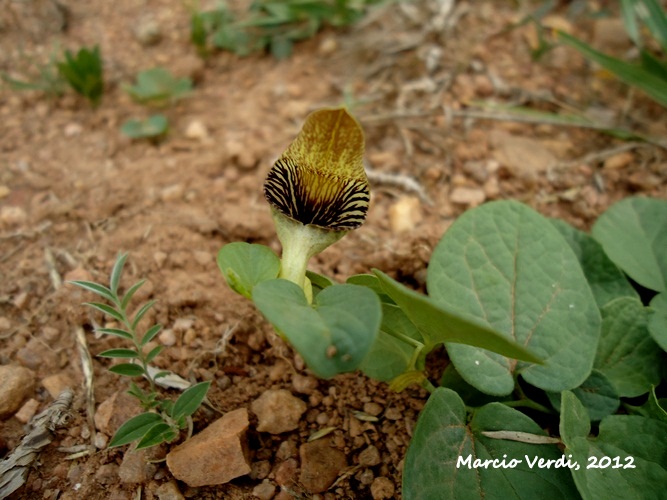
{"x":542,"y":329}
{"x":271,"y":24}
{"x":153,"y":127}
{"x":159,"y":87}
{"x":83,"y":73}
{"x":47,"y":79}
{"x":650,"y":73}
{"x":163,"y":419}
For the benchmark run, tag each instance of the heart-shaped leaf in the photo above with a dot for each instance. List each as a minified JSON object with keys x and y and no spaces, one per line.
{"x":507,"y":266}
{"x":244,"y":265}
{"x":449,"y":458}
{"x":633,"y":233}
{"x":335,"y":334}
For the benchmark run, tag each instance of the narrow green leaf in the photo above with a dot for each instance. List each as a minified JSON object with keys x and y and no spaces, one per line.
{"x":130,"y":293}
{"x":438,"y":324}
{"x":127,"y":369}
{"x":119,"y":353}
{"x":655,"y":17}
{"x":100,"y":290}
{"x":154,"y":352}
{"x":630,"y":21}
{"x":106,"y":309}
{"x":631,"y":74}
{"x":116,"y":332}
{"x":190,"y":400}
{"x":140,"y":314}
{"x":246,"y":265}
{"x":134,"y":428}
{"x":633,"y":233}
{"x":159,"y":433}
{"x":507,"y":268}
{"x":150,"y":334}
{"x":117,"y":272}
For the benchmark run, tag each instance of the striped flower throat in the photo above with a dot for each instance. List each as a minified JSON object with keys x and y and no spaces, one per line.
{"x":318,"y":189}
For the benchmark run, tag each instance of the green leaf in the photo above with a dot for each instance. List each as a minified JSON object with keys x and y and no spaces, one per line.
{"x":597,"y":394}
{"x":333,"y":335}
{"x":633,"y":233}
{"x":106,"y":309}
{"x":130,"y":293}
{"x":657,"y":323}
{"x":606,"y":280}
{"x":440,"y":462}
{"x":574,"y":420}
{"x":505,"y":266}
{"x":437,"y":324}
{"x":452,"y":379}
{"x":83,"y":73}
{"x":154,"y":352}
{"x":150,"y":334}
{"x":319,"y":281}
{"x":141,"y":313}
{"x":134,"y":428}
{"x":370,"y":281}
{"x":627,"y":355}
{"x":117,"y":272}
{"x":153,"y":127}
{"x":96,"y":288}
{"x":626,"y":460}
{"x":116,"y":332}
{"x":245,"y":265}
{"x":190,"y":400}
{"x":655,"y":18}
{"x":127,"y":369}
{"x":119,"y":353}
{"x":159,"y":433}
{"x":631,"y":74}
{"x":159,"y":87}
{"x":394,"y":346}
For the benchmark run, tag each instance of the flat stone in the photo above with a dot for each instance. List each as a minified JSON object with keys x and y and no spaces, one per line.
{"x":265,"y":490}
{"x":115,"y":411}
{"x":278,"y":411}
{"x":137,"y":466}
{"x":619,"y":161}
{"x":169,"y":491}
{"x":369,"y":457}
{"x":304,"y":384}
{"x":16,"y":384}
{"x":216,"y":455}
{"x":320,"y":465}
{"x":27,"y":411}
{"x":524,"y":157}
{"x":405,"y":214}
{"x":470,"y":197}
{"x":57,"y":383}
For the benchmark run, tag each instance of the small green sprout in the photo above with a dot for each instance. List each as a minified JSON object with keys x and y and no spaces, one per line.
{"x":158,"y":87}
{"x":83,"y":73}
{"x":47,"y":79}
{"x":163,"y":419}
{"x":153,"y":127}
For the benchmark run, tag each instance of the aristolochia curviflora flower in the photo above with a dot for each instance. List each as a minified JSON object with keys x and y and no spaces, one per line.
{"x":317,"y":189}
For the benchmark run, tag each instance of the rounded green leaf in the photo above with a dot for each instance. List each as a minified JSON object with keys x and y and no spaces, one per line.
{"x":244,"y":265}
{"x":574,"y":420}
{"x":597,"y":394}
{"x":333,"y":335}
{"x":657,"y":324}
{"x":627,"y":355}
{"x":633,"y":233}
{"x":446,"y":455}
{"x":507,"y":266}
{"x":606,"y":280}
{"x":626,"y":460}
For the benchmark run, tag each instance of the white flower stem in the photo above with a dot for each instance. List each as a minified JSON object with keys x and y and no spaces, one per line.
{"x":300,"y":242}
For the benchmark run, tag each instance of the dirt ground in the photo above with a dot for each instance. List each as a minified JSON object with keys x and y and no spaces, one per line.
{"x":75,"y":192}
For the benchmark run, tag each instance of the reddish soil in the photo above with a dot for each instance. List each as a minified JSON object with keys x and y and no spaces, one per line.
{"x":75,"y":193}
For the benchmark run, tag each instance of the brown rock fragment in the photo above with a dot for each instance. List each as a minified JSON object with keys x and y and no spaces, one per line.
{"x":278,"y":411}
{"x":382,"y":488}
{"x":320,"y":465}
{"x":216,"y":455}
{"x":16,"y":383}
